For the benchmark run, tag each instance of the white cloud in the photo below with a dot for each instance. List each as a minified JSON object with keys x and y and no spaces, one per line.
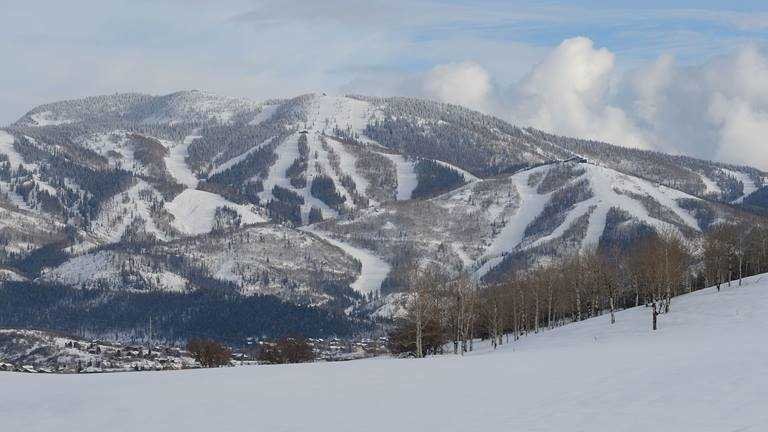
{"x":714,"y":110}
{"x":569,"y":93}
{"x":465,"y":83}
{"x":650,"y":87}
{"x":741,"y":129}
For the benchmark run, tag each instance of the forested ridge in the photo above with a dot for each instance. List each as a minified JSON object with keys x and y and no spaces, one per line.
{"x":296,"y":199}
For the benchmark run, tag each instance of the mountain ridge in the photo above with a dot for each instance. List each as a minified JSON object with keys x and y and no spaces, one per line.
{"x":386,"y":180}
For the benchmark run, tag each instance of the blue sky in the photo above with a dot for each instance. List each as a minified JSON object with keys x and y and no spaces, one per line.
{"x":53,"y":50}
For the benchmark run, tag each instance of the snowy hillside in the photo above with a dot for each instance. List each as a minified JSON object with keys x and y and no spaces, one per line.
{"x":88,"y":187}
{"x":194,"y":211}
{"x":703,"y":370}
{"x":173,"y":108}
{"x":262,"y":259}
{"x":306,"y":159}
{"x":546,"y":211}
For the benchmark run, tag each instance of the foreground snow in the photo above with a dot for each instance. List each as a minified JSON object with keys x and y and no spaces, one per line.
{"x":706,"y":369}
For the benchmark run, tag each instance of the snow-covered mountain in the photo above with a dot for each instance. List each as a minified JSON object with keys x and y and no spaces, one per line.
{"x":299,"y":197}
{"x":258,"y":259}
{"x":515,"y":221}
{"x":181,"y":107}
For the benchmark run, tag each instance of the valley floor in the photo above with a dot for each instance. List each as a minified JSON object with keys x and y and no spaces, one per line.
{"x":705,"y":369}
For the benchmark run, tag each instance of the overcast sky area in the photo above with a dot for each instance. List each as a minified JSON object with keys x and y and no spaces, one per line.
{"x":683,"y":77}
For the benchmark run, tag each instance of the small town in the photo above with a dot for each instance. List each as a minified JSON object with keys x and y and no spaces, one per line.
{"x":41,"y":352}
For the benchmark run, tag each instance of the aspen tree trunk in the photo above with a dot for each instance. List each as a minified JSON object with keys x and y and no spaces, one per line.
{"x":419,"y":351}
{"x":595,"y":306}
{"x":719,"y":277}
{"x":613,"y":316}
{"x":637,"y":293}
{"x":500,"y":333}
{"x":515,"y":323}
{"x":494,"y":321}
{"x":536,"y":317}
{"x":578,"y":305}
{"x":523,"y":314}
{"x":668,"y":279}
{"x":458,"y":324}
{"x":549,"y":306}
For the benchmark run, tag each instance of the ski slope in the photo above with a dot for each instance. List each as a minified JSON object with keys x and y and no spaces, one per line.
{"x":121,"y":210}
{"x":373,"y":270}
{"x":176,"y":162}
{"x":705,"y":369}
{"x":609,"y":189}
{"x":746,"y":180}
{"x":407,"y":178}
{"x":194,"y":211}
{"x":6,"y":148}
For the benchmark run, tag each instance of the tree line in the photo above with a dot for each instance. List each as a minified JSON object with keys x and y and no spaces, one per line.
{"x":442,"y":311}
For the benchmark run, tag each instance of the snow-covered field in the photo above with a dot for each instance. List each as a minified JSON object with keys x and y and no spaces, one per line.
{"x":705,"y":369}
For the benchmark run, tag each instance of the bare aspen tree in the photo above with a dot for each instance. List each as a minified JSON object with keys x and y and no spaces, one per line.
{"x":763,"y":262}
{"x":471,"y":317}
{"x":420,"y":304}
{"x":719,"y":249}
{"x":576,"y":281}
{"x":535,"y":282}
{"x":458,"y":316}
{"x":461,"y":311}
{"x":492,"y":314}
{"x":675,"y":262}
{"x":548,"y":284}
{"x":741,"y":234}
{"x":607,"y":274}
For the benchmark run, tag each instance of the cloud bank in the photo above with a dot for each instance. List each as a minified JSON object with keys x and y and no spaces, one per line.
{"x":466,"y":84}
{"x":716,"y":110}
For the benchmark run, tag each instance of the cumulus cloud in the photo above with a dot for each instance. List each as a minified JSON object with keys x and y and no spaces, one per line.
{"x":465,"y":83}
{"x":570,"y":93}
{"x":714,"y":110}
{"x":718,"y":109}
{"x":742,"y":132}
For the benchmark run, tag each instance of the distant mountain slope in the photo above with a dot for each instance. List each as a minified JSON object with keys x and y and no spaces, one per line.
{"x":261,"y":259}
{"x":102,"y":180}
{"x":513,"y":221}
{"x":181,"y":107}
{"x":719,"y":181}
